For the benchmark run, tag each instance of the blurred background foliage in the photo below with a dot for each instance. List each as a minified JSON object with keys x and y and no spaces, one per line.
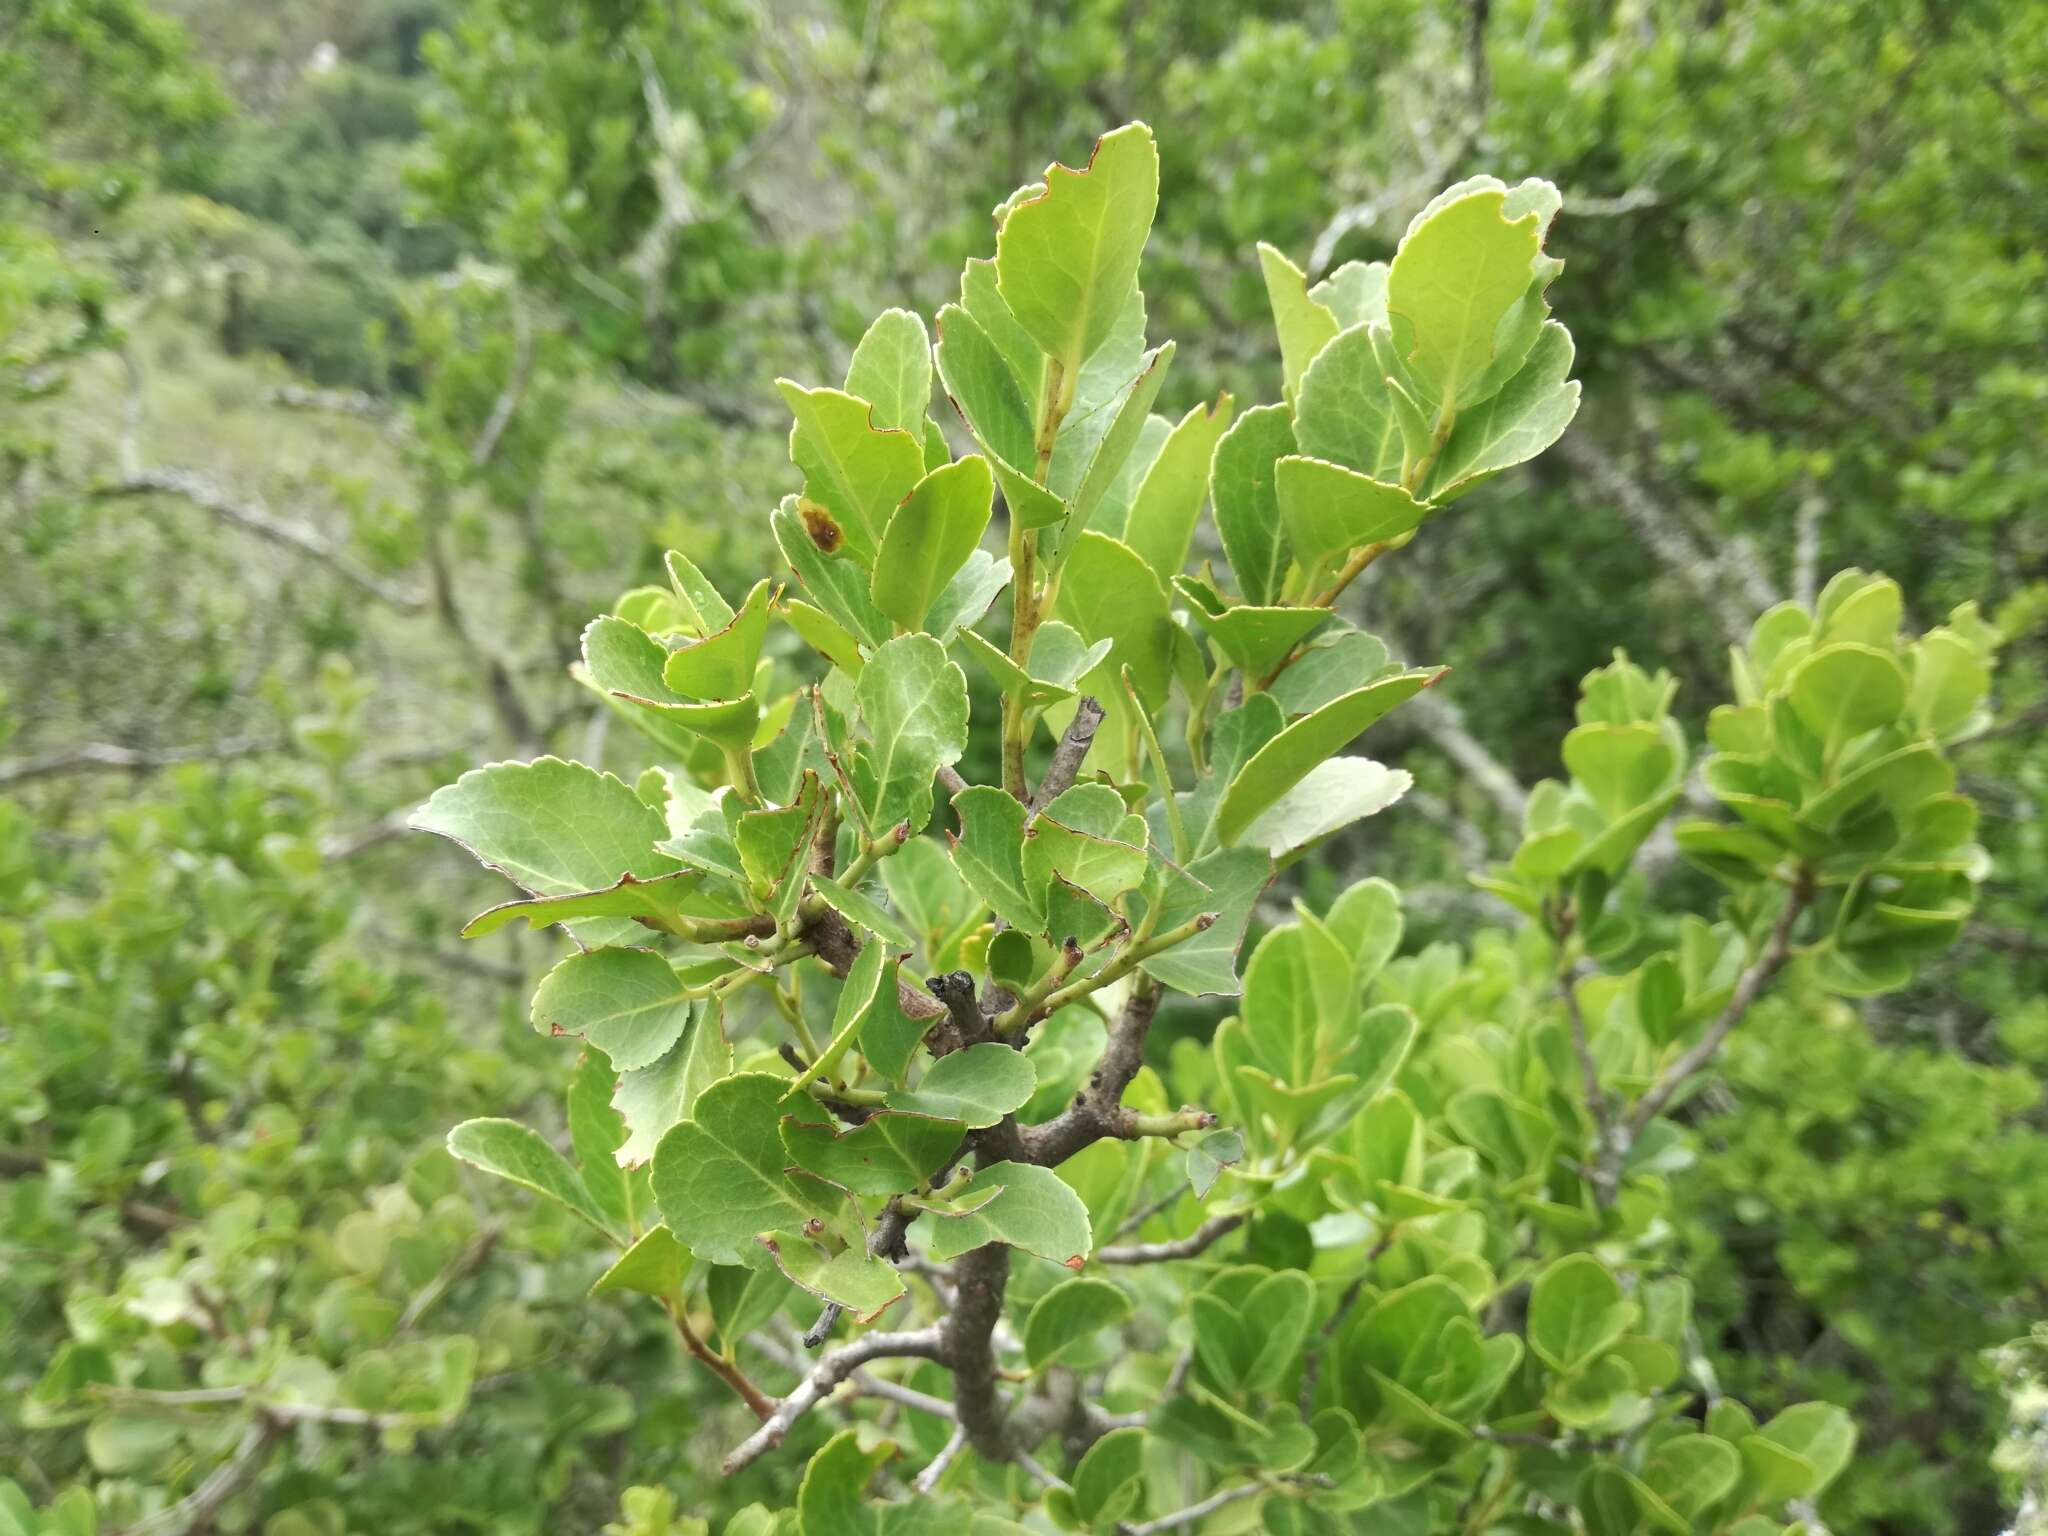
{"x":354,"y":352}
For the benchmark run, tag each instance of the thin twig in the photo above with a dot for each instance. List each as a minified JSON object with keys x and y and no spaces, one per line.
{"x":928,"y":1479}
{"x":199,"y":1506}
{"x":258,"y":519}
{"x":724,"y":1369}
{"x":1184,"y":1517}
{"x":106,"y":757}
{"x":832,"y":1368}
{"x":1196,"y":1242}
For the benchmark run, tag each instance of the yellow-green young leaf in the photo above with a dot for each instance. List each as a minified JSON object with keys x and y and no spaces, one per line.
{"x":977,"y":1086}
{"x":1576,"y":1310}
{"x":1305,"y":326}
{"x":555,"y":829}
{"x":656,"y":904}
{"x":892,"y":371}
{"x":1108,"y":1480}
{"x":1345,"y":410}
{"x":1356,"y":293}
{"x":1246,"y":504}
{"x":1691,"y":1472}
{"x":913,"y":701}
{"x":721,"y":666}
{"x":1820,"y":1434}
{"x":774,"y":844}
{"x":831,"y":1499}
{"x":930,"y":537}
{"x":1067,"y":258}
{"x":886,"y":1154}
{"x":1254,"y":639}
{"x":1032,"y":1209}
{"x":825,"y":635}
{"x":653,"y":1266}
{"x":721,"y":1177}
{"x":627,"y":1003}
{"x":1066,"y":1316}
{"x":656,"y":1097}
{"x":624,"y":663}
{"x":989,"y":854}
{"x":1840,"y":691}
{"x":1104,"y":867}
{"x":1161,"y":523}
{"x":522,"y":1156}
{"x":1108,"y":593}
{"x":1527,"y":415}
{"x":1128,"y":412}
{"x":1329,"y":509}
{"x":1461,"y":267}
{"x":1286,"y":760}
{"x":985,"y":392}
{"x":855,"y":472}
{"x":850,"y":1277}
{"x":702,"y":606}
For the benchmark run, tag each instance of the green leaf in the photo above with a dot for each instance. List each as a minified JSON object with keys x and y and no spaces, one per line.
{"x":1246,"y":504}
{"x":892,"y":371}
{"x":888,"y":1153}
{"x":856,"y":473}
{"x":850,"y":1276}
{"x":655,"y":904}
{"x":721,"y":1176}
{"x":1529,"y":413}
{"x":1108,"y":593}
{"x":913,"y":701}
{"x":1820,"y":1434}
{"x":1227,"y":883}
{"x":977,"y":1086}
{"x":856,"y":997}
{"x":864,"y":911}
{"x":1841,"y":691}
{"x":595,"y":1131}
{"x":1287,"y":759}
{"x":656,"y":1097}
{"x":702,"y":606}
{"x":1067,"y":1315}
{"x":1333,"y":665}
{"x":1356,"y":293}
{"x":627,"y":1003}
{"x":1256,"y":640}
{"x":989,"y":854}
{"x":1104,"y":867}
{"x":1463,"y":264}
{"x":839,"y":587}
{"x":1345,"y":411}
{"x":1209,"y":1155}
{"x":930,"y":537}
{"x":1305,"y":326}
{"x":653,"y":1266}
{"x":721,"y":665}
{"x":1126,"y":414}
{"x":1332,"y":795}
{"x":831,"y":1499}
{"x":521,"y":1155}
{"x":1576,"y":1310}
{"x":1108,"y":1480}
{"x":889,"y":1037}
{"x":1692,"y":1472}
{"x":1329,"y":509}
{"x":626,"y":664}
{"x":1067,"y":259}
{"x":1161,"y":523}
{"x":774,"y":844}
{"x":1033,"y":1209}
{"x":555,"y":829}
{"x":984,"y":389}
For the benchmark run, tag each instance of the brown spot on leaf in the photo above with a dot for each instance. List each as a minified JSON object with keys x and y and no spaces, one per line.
{"x":818,"y":523}
{"x":1076,"y":1262}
